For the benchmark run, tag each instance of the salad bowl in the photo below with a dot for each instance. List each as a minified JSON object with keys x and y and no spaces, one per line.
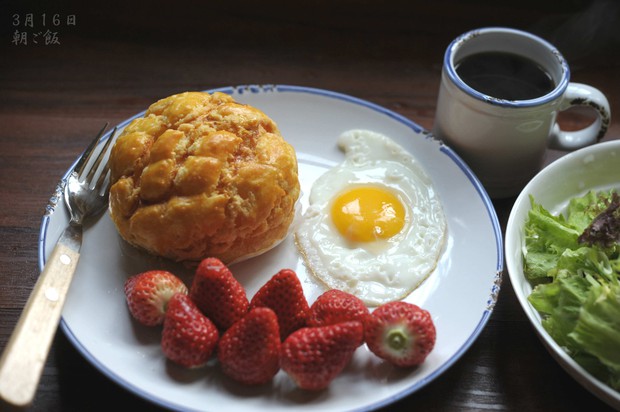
{"x":595,"y":168}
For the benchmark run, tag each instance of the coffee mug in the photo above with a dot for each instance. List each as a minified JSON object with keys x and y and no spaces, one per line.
{"x":500,"y":93}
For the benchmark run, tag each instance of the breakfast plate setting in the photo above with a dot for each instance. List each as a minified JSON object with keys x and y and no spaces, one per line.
{"x":459,"y":289}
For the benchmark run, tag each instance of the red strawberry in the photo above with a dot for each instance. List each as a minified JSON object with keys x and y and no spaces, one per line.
{"x":283,"y":293}
{"x":401,"y":333}
{"x":335,"y":306}
{"x":218,"y":294}
{"x":314,"y":356}
{"x":249,"y":350}
{"x":148,"y":293}
{"x":189,"y":337}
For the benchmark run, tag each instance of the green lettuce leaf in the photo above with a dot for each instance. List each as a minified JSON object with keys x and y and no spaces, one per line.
{"x":560,"y":302}
{"x":546,"y":238}
{"x":582,"y":210}
{"x":597,"y":330}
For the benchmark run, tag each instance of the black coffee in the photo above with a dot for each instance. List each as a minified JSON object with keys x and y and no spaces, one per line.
{"x":506,"y":76}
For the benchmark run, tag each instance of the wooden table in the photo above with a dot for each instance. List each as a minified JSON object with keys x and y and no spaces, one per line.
{"x":91,"y":64}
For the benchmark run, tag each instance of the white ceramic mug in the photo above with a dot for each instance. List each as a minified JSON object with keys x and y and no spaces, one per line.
{"x":504,"y":141}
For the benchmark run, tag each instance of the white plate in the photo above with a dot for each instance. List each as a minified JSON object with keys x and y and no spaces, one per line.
{"x":460,"y":294}
{"x":592,"y":168}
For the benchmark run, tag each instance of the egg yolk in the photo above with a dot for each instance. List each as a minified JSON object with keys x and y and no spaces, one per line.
{"x":365,"y":214}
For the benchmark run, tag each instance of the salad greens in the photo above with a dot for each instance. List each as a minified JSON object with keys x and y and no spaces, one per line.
{"x":573,"y":262}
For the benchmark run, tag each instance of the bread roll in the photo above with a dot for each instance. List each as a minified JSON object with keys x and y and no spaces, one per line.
{"x":201,"y":175}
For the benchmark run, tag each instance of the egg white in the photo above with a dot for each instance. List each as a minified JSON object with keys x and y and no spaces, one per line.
{"x":382,"y":270}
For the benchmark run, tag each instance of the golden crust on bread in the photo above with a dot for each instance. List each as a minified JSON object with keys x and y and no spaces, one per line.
{"x":202,"y":175}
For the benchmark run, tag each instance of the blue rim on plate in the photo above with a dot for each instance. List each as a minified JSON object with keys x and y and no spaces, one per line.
{"x":56,"y":199}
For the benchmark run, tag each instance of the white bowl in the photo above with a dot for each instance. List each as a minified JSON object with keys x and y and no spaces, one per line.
{"x":595,"y":167}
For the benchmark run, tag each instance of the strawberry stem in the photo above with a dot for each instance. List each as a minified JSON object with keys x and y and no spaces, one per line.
{"x":397,"y":339}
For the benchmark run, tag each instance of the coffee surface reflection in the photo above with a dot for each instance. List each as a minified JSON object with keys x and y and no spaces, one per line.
{"x":505,"y":76}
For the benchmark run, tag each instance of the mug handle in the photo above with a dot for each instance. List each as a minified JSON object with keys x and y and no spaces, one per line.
{"x":578,"y":94}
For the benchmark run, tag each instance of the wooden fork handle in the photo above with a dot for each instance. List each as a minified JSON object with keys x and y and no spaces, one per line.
{"x":23,"y":359}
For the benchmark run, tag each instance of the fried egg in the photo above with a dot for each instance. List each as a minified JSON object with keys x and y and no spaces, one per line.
{"x":374,"y":226}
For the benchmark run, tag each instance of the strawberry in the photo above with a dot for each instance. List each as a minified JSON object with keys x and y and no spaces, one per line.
{"x":147,"y":295}
{"x":218,"y":294}
{"x":314,"y":356}
{"x":189,"y":337}
{"x":249,"y":351}
{"x":335,"y":306}
{"x":401,"y":333}
{"x":284,"y":294}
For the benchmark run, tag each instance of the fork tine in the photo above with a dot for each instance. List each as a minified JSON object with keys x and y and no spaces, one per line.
{"x":83,"y":161}
{"x":95,"y":166}
{"x":103,"y":190}
{"x":105,"y":172}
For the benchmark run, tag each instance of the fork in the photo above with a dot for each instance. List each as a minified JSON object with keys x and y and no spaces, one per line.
{"x":86,"y":196}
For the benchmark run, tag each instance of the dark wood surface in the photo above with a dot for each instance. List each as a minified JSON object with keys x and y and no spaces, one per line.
{"x":121,"y":56}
